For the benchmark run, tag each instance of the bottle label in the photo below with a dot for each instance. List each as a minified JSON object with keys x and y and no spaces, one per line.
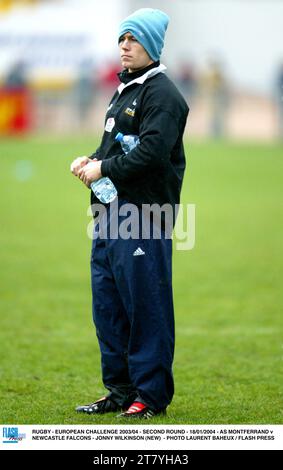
{"x":110,"y":123}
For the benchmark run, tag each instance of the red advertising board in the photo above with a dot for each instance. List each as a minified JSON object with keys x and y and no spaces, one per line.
{"x":15,"y":110}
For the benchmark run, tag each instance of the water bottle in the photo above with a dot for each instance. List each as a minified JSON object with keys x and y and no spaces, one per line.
{"x":128,"y":142}
{"x":104,"y":190}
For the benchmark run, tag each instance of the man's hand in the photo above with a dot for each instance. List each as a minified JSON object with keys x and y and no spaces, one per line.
{"x":79,"y":163}
{"x":90,"y":172}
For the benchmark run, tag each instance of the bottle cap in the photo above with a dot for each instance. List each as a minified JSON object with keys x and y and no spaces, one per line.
{"x":119,"y":136}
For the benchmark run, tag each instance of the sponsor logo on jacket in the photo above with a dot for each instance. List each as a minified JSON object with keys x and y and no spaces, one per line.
{"x":130,"y":112}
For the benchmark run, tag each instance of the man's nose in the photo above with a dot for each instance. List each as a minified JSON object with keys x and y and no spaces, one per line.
{"x":125,"y":44}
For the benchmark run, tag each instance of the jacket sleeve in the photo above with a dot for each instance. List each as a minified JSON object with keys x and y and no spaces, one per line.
{"x":96,"y":154}
{"x":159,"y":131}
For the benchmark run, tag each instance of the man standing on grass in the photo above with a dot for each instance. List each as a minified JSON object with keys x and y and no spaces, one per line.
{"x":132,"y":278}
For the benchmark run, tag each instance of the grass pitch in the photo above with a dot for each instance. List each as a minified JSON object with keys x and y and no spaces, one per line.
{"x":228,"y":289}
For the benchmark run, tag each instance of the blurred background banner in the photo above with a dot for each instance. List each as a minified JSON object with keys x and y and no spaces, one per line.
{"x":225,"y":56}
{"x":15,"y":111}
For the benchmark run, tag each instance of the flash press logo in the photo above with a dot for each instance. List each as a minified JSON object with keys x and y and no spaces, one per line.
{"x":12,"y":435}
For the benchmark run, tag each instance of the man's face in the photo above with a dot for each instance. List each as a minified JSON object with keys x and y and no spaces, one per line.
{"x":133,"y":56}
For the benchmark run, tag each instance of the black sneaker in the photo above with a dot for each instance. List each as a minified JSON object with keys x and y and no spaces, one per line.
{"x":104,"y":405}
{"x":140,"y":410}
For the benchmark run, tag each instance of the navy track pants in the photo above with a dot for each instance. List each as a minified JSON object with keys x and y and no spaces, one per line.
{"x":134,"y":317}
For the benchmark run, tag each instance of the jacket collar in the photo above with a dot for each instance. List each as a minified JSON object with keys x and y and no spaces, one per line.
{"x":125,"y":76}
{"x":142,"y":78}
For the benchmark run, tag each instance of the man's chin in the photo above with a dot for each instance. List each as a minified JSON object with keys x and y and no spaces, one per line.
{"x":127,"y":64}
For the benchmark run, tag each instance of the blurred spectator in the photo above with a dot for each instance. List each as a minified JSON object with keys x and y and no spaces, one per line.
{"x":218,"y":93}
{"x":16,"y":77}
{"x":108,"y":77}
{"x":84,"y":90}
{"x":187,"y":81}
